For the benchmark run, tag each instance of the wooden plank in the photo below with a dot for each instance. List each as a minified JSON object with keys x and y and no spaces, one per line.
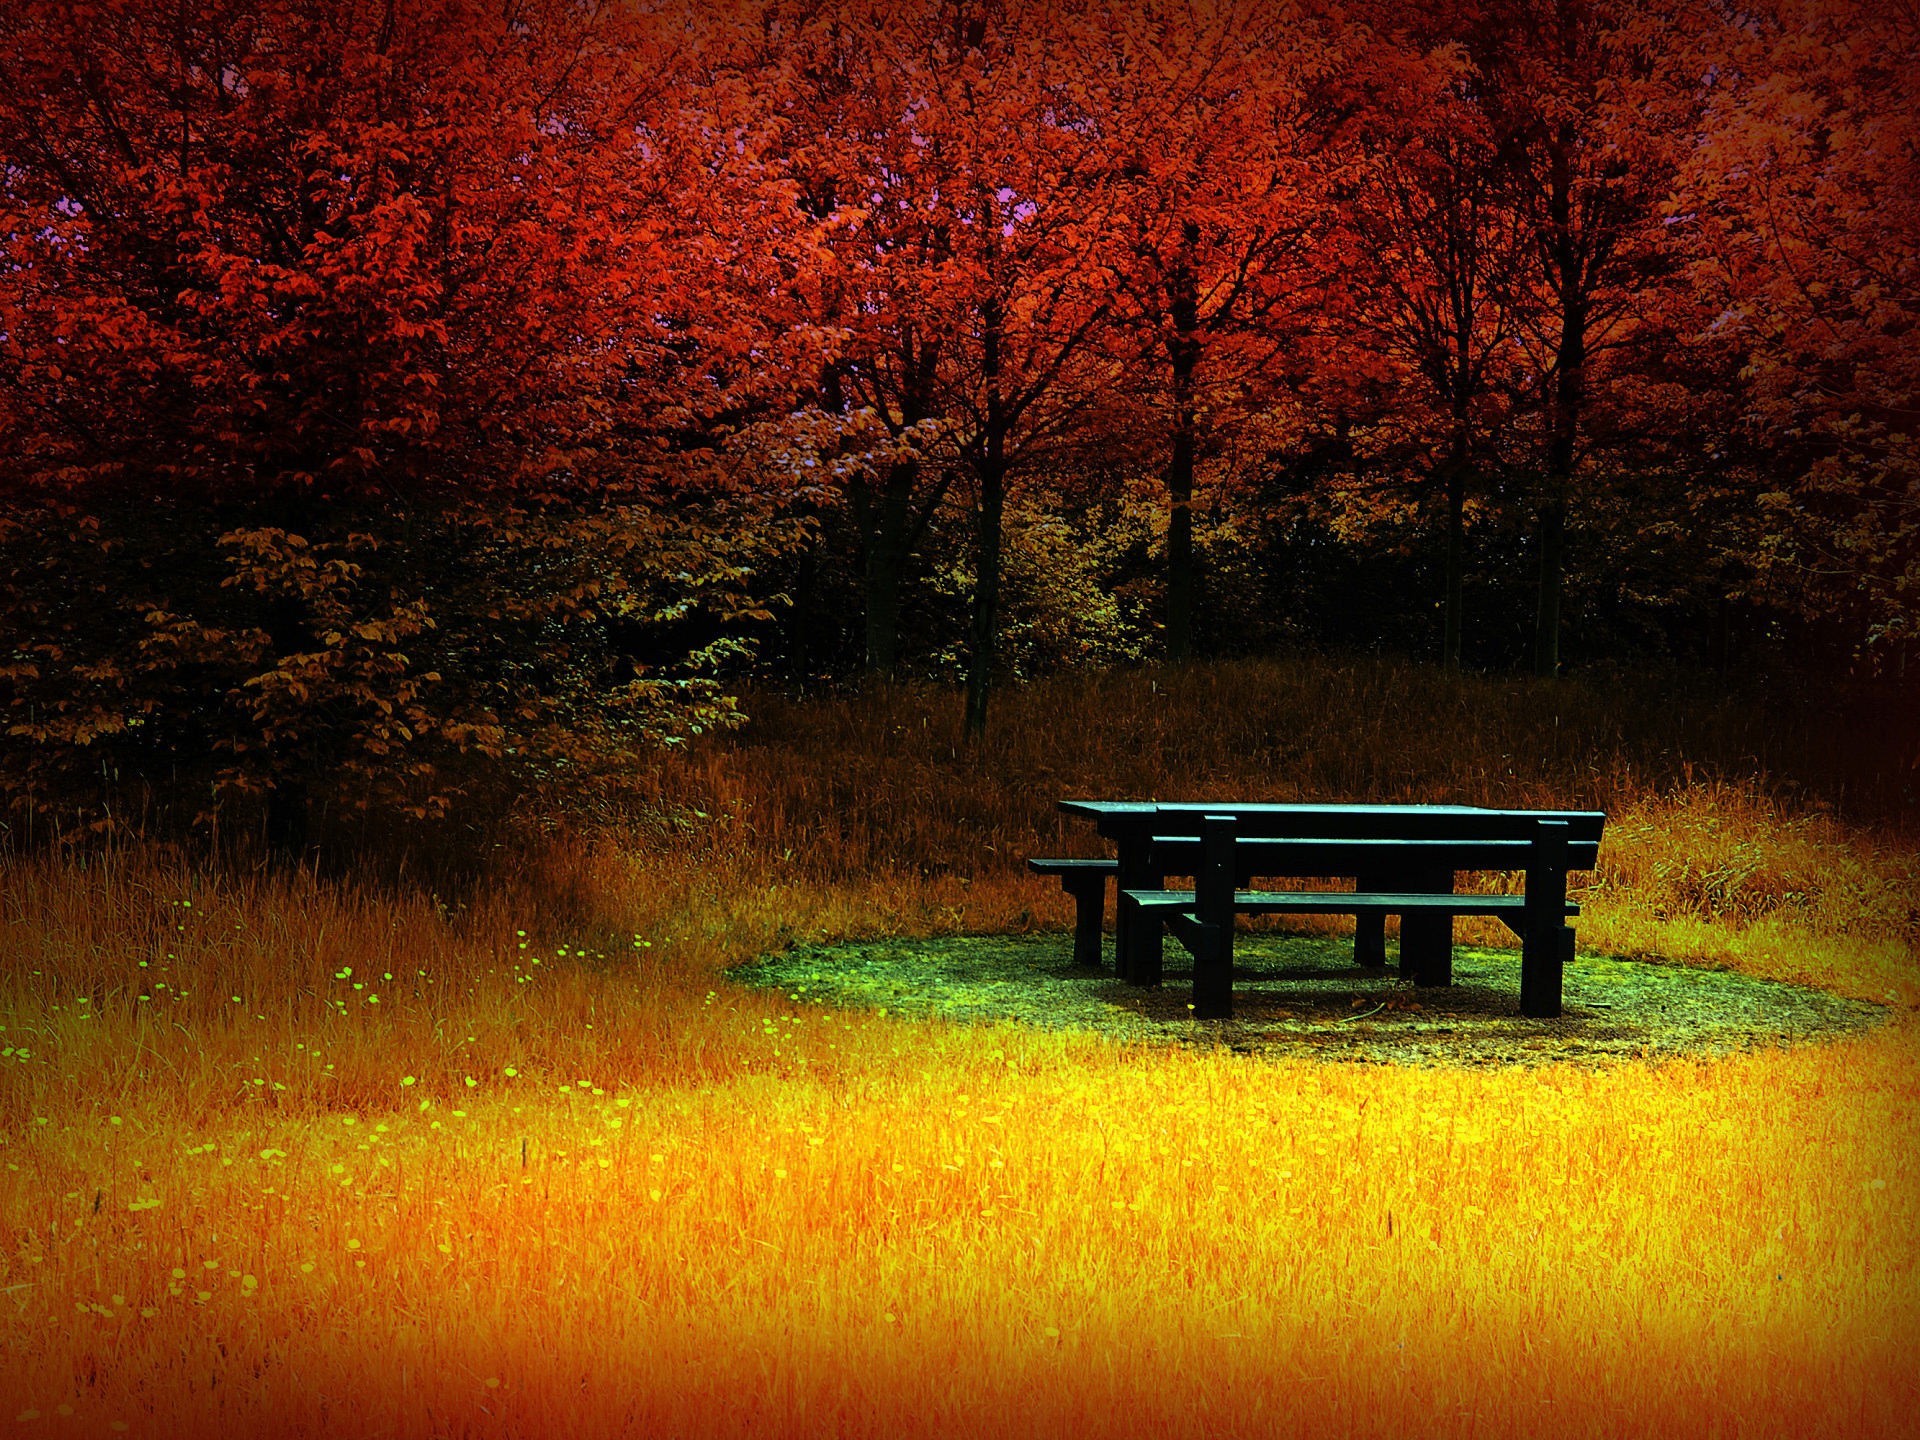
{"x":1245,"y":812}
{"x":1156,"y":901}
{"x":1370,"y":926}
{"x":1086,"y":881}
{"x":1546,"y":942}
{"x":1136,"y":935}
{"x":1322,"y":855}
{"x":1383,"y":823}
{"x":1213,"y":906}
{"x":1100,"y":809}
{"x":1367,"y":847}
{"x":1344,"y":902}
{"x":1426,"y":931}
{"x":1268,"y":818}
{"x":1288,"y":859}
{"x":1355,"y":902}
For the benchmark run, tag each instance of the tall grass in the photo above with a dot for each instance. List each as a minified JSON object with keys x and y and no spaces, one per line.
{"x":572,"y":1182}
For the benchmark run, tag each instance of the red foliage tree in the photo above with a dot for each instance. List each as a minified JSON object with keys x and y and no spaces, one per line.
{"x":1440,"y":250}
{"x":319,"y":320}
{"x":1591,"y":103}
{"x":1219,"y":123}
{"x":1802,"y":208}
{"x":946,"y":151}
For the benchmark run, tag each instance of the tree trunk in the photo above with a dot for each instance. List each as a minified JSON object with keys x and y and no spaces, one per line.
{"x":1180,"y":576}
{"x":1456,"y":551}
{"x":1183,"y":352}
{"x":887,"y":546}
{"x":990,"y":463}
{"x":287,"y":827}
{"x":890,"y":530}
{"x":289,"y":832}
{"x":1546,"y":620}
{"x":986,"y":594}
{"x":1568,"y":395}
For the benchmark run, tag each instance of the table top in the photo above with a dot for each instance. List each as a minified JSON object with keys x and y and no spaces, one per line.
{"x":1130,"y":823}
{"x":1099,"y":809}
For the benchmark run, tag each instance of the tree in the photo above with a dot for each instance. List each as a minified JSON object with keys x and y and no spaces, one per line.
{"x":330,"y":327}
{"x":1590,"y":109}
{"x":1215,"y":124}
{"x":1441,"y":250}
{"x":1035,"y":226}
{"x":846,"y":92}
{"x":1801,"y":209}
{"x":947,"y":152}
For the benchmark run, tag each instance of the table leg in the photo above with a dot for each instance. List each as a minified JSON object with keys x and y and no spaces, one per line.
{"x":1132,"y":859}
{"x":1143,"y":938}
{"x":1547,"y":946}
{"x":1213,"y":886}
{"x":1426,"y":940}
{"x":1213,"y":973}
{"x":1089,"y":908}
{"x":1544,"y":956}
{"x":1370,"y":929}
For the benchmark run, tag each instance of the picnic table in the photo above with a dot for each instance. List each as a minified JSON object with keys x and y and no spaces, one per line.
{"x":1402,"y":859}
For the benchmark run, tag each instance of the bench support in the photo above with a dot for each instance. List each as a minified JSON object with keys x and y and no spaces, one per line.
{"x":1542,"y":964}
{"x":1426,"y":939}
{"x":1547,"y":944}
{"x":1086,"y":882}
{"x":1136,"y":936}
{"x":1089,"y":908}
{"x":1213,"y":909}
{"x":1370,"y":927}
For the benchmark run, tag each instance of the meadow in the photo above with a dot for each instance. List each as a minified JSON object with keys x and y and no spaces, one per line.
{"x":298,"y":1156}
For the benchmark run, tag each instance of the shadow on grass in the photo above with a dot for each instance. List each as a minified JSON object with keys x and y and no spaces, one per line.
{"x":1304,"y":995}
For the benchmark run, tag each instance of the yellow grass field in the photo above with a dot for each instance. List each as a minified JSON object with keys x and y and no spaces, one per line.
{"x":289,"y":1157}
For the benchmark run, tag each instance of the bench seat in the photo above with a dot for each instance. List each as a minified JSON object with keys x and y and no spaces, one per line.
{"x":1065,"y":868}
{"x":1086,"y":881}
{"x":1341,"y":902}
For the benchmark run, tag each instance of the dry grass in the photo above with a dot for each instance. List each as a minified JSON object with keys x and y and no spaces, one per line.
{"x":585,"y":1188}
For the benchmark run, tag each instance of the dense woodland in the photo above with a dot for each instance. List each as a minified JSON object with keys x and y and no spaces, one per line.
{"x":420,"y":407}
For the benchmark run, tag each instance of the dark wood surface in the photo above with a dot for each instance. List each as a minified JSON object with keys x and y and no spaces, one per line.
{"x":1404,"y":860}
{"x":1345,"y":902}
{"x":1086,"y":881}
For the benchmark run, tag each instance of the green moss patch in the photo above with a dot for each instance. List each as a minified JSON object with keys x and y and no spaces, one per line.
{"x":1304,"y":995}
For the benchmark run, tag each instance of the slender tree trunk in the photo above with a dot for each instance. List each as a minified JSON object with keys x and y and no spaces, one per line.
{"x":1553,"y":507}
{"x":1456,"y":552}
{"x":991,"y":467}
{"x":1180,"y":568}
{"x":289,"y":831}
{"x":287,"y":822}
{"x":1183,"y":351}
{"x":1568,"y":395}
{"x":986,"y":594}
{"x":1546,"y":620}
{"x":890,"y":529}
{"x":888,"y":543}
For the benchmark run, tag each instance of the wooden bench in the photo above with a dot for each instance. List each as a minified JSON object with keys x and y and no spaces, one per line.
{"x":1221,"y":861}
{"x":1086,"y":882}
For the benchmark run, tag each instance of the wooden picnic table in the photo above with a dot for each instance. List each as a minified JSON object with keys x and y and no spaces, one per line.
{"x":1403,"y":859}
